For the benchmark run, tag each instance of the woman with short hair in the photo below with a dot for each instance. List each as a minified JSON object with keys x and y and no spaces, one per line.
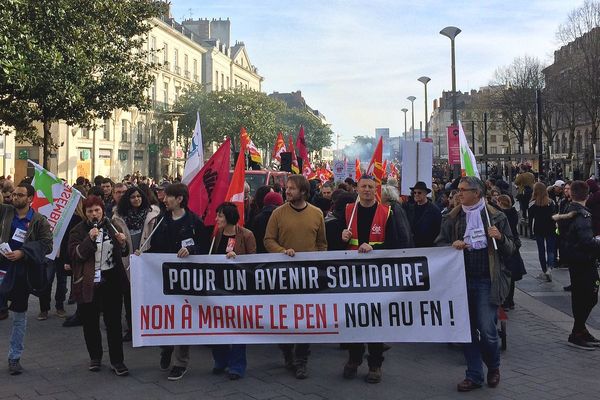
{"x":231,"y":240}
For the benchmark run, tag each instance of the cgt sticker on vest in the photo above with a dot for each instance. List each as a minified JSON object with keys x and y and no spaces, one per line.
{"x":19,"y":235}
{"x":376,"y":229}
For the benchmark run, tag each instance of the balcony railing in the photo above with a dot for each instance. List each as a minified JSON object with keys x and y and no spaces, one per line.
{"x":178,"y":70}
{"x":186,"y":74}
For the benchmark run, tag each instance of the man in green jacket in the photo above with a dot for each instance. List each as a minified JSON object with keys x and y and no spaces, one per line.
{"x":466,"y":228}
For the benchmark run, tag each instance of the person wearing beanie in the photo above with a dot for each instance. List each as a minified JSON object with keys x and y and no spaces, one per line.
{"x":271,"y":201}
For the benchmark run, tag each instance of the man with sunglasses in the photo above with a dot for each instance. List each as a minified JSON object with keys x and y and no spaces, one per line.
{"x":423,"y":216}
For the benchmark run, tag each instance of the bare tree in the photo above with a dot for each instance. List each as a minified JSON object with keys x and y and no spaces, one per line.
{"x":514,"y":98}
{"x":581,"y":32}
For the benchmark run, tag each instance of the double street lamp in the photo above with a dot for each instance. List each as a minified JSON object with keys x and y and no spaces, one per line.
{"x":451,"y":32}
{"x":412,"y":103}
{"x":424,"y":80}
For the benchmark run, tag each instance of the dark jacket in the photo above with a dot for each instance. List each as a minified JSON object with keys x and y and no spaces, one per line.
{"x":593,"y":205}
{"x":165,"y":240}
{"x":515,"y":262}
{"x":82,"y":250}
{"x":405,"y":235}
{"x":453,"y":228}
{"x":425,"y":228}
{"x":581,"y":248}
{"x":38,"y":242}
{"x":63,"y":256}
{"x":540,"y":218}
{"x":334,"y":225}
{"x":259,"y":226}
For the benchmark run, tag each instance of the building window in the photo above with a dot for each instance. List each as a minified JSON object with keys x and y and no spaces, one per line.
{"x":493,"y":138}
{"x":227,"y":82}
{"x":138,"y":154}
{"x":216,"y":81}
{"x":123,"y":155}
{"x":176,"y":62}
{"x":140,"y":132}
{"x":85,"y":133}
{"x":222,"y":81}
{"x":564,"y":143}
{"x":493,"y":150}
{"x":165,"y":54}
{"x":579,"y":143}
{"x":153,"y":93}
{"x":166,"y":93}
{"x":106,"y":135}
{"x":195,"y":70}
{"x":177,"y":89}
{"x":124,"y":130}
{"x":153,"y":133}
{"x":186,"y":69}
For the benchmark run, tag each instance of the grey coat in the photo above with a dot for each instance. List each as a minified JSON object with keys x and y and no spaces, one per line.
{"x":453,"y":228}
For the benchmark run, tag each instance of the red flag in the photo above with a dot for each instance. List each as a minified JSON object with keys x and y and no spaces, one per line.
{"x":357,"y":169}
{"x":246,"y":143}
{"x":279,"y":147}
{"x":235,"y":194}
{"x":209,"y":186}
{"x":384,"y":166}
{"x":375,"y":168}
{"x":301,"y":145}
{"x":295,"y":167}
{"x":393,"y":170}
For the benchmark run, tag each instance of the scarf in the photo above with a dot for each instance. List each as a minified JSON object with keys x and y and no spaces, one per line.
{"x":135,"y":218}
{"x":475,"y":234}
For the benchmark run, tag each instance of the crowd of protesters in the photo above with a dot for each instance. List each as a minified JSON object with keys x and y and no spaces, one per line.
{"x":138,"y":215}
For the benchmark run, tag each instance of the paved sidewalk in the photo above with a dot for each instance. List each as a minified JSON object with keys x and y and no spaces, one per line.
{"x":537,"y":365}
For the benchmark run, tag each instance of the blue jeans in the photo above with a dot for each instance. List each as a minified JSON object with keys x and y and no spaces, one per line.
{"x":232,"y":357}
{"x":485,"y":344}
{"x":546,"y":250}
{"x":19,"y":327}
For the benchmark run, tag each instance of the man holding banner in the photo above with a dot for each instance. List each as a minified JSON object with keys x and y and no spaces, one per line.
{"x":488,"y":279}
{"x":369,"y":227}
{"x":183,"y":233}
{"x":294,"y":227}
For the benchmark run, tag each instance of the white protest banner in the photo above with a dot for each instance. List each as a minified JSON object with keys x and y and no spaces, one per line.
{"x":411,"y":295}
{"x":417,"y":165}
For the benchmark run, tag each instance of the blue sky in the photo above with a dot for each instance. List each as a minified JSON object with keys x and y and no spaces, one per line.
{"x":357,"y":61}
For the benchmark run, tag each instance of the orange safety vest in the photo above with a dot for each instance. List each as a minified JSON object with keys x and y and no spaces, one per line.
{"x":377,"y":234}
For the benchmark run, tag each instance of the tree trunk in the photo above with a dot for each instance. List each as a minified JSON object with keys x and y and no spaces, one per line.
{"x":46,"y":146}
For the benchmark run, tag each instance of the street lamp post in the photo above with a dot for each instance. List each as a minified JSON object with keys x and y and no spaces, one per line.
{"x":424,"y":80}
{"x":412,"y":103}
{"x":404,"y":110}
{"x":451,"y":32}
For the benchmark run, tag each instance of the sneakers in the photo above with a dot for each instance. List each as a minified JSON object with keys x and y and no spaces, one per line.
{"x":95,"y":365}
{"x":14,"y":367}
{"x":73,"y":320}
{"x":42,"y":316}
{"x":61,"y":313}
{"x":374,"y":375}
{"x":549,"y":274}
{"x":467,"y":385}
{"x":120,"y":369}
{"x":301,"y":370}
{"x":177,"y":373}
{"x":545,"y":276}
{"x":165,"y":361}
{"x":590,"y":339}
{"x":350,"y":370}
{"x":577,"y":340}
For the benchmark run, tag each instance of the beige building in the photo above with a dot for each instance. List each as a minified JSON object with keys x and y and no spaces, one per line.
{"x":127,"y":142}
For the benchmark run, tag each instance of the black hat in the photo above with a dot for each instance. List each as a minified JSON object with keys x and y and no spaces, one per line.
{"x":421,"y":186}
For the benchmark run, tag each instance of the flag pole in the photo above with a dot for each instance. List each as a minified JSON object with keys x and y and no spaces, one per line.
{"x":353,"y":212}
{"x":151,"y":233}
{"x":211,"y":245}
{"x":487,"y":214}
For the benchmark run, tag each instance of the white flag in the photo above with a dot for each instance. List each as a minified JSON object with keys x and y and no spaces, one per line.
{"x":195,"y":159}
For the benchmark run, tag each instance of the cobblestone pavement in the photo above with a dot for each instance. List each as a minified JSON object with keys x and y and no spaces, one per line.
{"x":537,"y":364}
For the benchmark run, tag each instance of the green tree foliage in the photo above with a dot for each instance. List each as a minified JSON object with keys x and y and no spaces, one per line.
{"x":72,"y":60}
{"x":223,"y":113}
